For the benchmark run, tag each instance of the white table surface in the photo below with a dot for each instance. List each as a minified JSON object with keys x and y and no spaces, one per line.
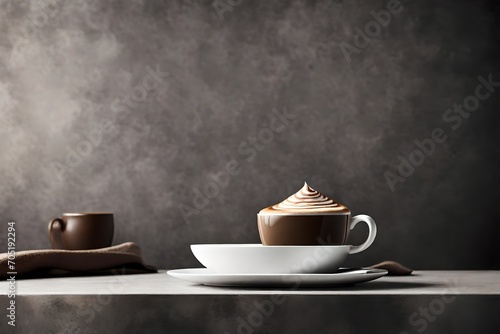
{"x":420,"y":283}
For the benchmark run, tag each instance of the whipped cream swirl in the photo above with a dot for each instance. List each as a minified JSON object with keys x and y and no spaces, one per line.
{"x":307,"y":201}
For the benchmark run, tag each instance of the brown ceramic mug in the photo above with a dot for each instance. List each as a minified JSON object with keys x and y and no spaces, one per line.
{"x":81,"y":231}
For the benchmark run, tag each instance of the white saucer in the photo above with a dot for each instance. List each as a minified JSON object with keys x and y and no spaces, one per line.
{"x":343,"y":277}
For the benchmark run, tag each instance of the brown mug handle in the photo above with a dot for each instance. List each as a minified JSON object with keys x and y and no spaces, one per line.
{"x":56,"y":241}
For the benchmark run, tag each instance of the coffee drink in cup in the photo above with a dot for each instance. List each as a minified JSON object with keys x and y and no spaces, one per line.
{"x":78,"y":231}
{"x":310,"y":218}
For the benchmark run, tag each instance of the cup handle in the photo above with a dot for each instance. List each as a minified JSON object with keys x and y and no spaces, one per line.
{"x":55,"y":233}
{"x":372,"y":232}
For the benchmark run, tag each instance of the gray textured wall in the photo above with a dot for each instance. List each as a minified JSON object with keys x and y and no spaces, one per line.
{"x":70,"y":67}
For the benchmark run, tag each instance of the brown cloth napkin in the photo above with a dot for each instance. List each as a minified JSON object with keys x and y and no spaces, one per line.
{"x":120,"y":259}
{"x":393,"y":268}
